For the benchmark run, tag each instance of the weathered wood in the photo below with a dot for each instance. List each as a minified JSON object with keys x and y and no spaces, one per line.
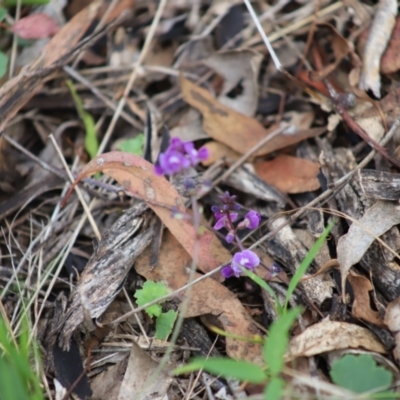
{"x":380,"y":184}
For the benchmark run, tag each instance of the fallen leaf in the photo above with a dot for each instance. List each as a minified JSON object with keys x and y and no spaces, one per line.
{"x":137,"y":177}
{"x":236,"y":130}
{"x":240,"y":70}
{"x":332,"y":335}
{"x":289,"y":174}
{"x":351,"y":247}
{"x":217,"y":151}
{"x":35,"y":26}
{"x":206,"y":297}
{"x":141,"y":368}
{"x":340,"y":47}
{"x":362,"y":302}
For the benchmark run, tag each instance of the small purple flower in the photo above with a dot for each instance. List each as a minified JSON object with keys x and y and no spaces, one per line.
{"x":244,"y":259}
{"x":251,"y":220}
{"x":195,"y":156}
{"x":171,"y":162}
{"x":230,"y":237}
{"x":227,"y":272}
{"x":247,"y":259}
{"x":223,"y":220}
{"x":178,"y":156}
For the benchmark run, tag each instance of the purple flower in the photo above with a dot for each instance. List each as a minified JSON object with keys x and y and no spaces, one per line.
{"x":178,"y":156}
{"x":195,"y":156}
{"x":247,"y":259}
{"x":171,"y":162}
{"x":244,"y":259}
{"x":251,"y":220}
{"x":227,"y":272}
{"x":223,"y":220}
{"x":230,"y":237}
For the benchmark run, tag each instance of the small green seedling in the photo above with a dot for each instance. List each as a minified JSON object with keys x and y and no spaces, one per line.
{"x":164,"y":320}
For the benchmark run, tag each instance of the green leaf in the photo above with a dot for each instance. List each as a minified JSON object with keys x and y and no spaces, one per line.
{"x":133,"y":146}
{"x":360,"y":373}
{"x":3,"y":64}
{"x":3,"y":13}
{"x":91,"y":141}
{"x":164,"y":324}
{"x":274,"y":389}
{"x":226,"y":367}
{"x":151,"y":291}
{"x":277,"y":341}
{"x":306,"y":263}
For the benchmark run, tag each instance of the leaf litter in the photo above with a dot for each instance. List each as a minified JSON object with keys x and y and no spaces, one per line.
{"x":208,"y":78}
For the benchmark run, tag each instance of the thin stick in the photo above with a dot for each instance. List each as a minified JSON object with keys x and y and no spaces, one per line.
{"x":264,"y":37}
{"x":78,"y":191}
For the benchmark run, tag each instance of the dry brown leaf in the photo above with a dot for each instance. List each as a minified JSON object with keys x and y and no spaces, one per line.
{"x":289,"y":174}
{"x":352,"y":246}
{"x":340,"y":46}
{"x":20,"y":89}
{"x":236,"y":130}
{"x":332,"y":335}
{"x":206,"y":297}
{"x":137,"y":177}
{"x":381,"y":30}
{"x":217,"y":150}
{"x":362,"y":303}
{"x":238,"y":68}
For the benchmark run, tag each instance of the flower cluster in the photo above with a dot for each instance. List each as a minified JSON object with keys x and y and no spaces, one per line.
{"x":226,"y":215}
{"x":179,"y":156}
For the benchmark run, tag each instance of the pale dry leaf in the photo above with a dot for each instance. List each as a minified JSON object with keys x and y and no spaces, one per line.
{"x":240,"y":70}
{"x":390,"y":61}
{"x":379,"y":36}
{"x":332,"y":335}
{"x":362,"y":302}
{"x":238,"y":131}
{"x":140,"y":369}
{"x":289,"y":174}
{"x":206,"y":297}
{"x":377,"y":220}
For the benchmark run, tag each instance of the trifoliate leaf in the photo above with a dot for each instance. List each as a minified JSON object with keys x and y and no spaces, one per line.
{"x":360,"y":373}
{"x":164,"y":324}
{"x":151,"y":291}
